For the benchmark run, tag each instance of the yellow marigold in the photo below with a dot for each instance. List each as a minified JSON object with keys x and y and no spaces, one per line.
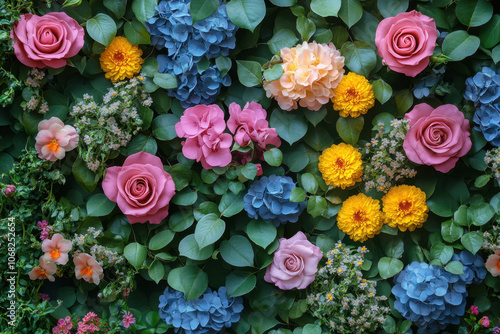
{"x":360,"y":217}
{"x":405,"y":207}
{"x":341,"y":165}
{"x":311,"y":71}
{"x":121,"y":59}
{"x":353,"y":96}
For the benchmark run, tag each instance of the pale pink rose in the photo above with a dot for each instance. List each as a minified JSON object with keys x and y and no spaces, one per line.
{"x":493,"y":264}
{"x":86,"y":267}
{"x":54,"y":139}
{"x":46,"y":270}
{"x":311,"y":72}
{"x":406,"y":42}
{"x":198,"y":119}
{"x":437,"y":137}
{"x":47,"y":40}
{"x":56,"y":249}
{"x":141,"y":188}
{"x":295,"y":263}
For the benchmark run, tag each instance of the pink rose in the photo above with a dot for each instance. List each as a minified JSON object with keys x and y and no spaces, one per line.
{"x":295,"y":263}
{"x":437,"y":137}
{"x":493,"y":264}
{"x":141,"y":187}
{"x":48,"y":40}
{"x":406,"y":42}
{"x":54,"y":139}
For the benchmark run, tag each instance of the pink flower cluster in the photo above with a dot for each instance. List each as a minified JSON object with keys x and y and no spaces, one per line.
{"x":203,"y":127}
{"x":63,"y":326}
{"x":128,"y":319}
{"x":43,"y":225}
{"x":56,"y":252}
{"x":89,"y":324}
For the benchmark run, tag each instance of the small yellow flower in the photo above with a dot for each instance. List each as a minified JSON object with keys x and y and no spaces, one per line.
{"x":405,"y":207}
{"x":330,"y":296}
{"x":121,"y":59}
{"x":360,"y":217}
{"x":353,"y":96}
{"x":341,"y":165}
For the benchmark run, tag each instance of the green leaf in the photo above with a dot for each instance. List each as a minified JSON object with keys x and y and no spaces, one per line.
{"x":473,"y":13}
{"x":205,"y":208}
{"x":99,"y":205}
{"x":365,"y":29}
{"x":326,"y":8}
{"x":305,"y":27}
{"x":359,"y":57}
{"x":165,"y":80}
{"x":404,"y":100}
{"x":441,"y":252}
{"x":495,"y":54}
{"x":459,"y":44}
{"x":67,"y":295}
{"x":316,"y":206}
{"x":101,"y":28}
{"x":144,"y":9}
{"x":393,"y":7}
{"x":185,"y":197}
{"x":189,"y":279}
{"x":314,"y":117}
{"x":490,"y":33}
{"x":472,"y":241}
{"x":223,"y":64}
{"x":142,"y":143}
{"x":283,"y":38}
{"x":480,"y":213}
{"x":201,"y":9}
{"x":273,"y":157}
{"x":189,"y":248}
{"x":283,"y":3}
{"x":181,"y":174}
{"x":290,"y":125}
{"x":237,"y":251}
{"x":249,"y":171}
{"x":436,"y":13}
{"x":389,"y":324}
{"x":161,"y":239}
{"x":273,"y":73}
{"x":311,"y":329}
{"x":249,"y":72}
{"x":382,"y":90}
{"x":297,"y":195}
{"x":240,"y":283}
{"x":209,"y":229}
{"x":135,"y":254}
{"x":482,"y":180}
{"x":350,"y":128}
{"x":156,"y":271}
{"x":181,"y":220}
{"x":136,"y":33}
{"x":394,"y":247}
{"x":117,"y":7}
{"x":309,"y":183}
{"x":455,"y":267}
{"x":388,"y":267}
{"x":323,"y":35}
{"x":451,"y":231}
{"x":246,"y":14}
{"x":261,"y":232}
{"x":351,"y":12}
{"x":231,"y":204}
{"x":164,"y":126}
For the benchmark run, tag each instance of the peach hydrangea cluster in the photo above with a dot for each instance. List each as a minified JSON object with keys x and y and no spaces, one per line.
{"x":54,"y":139}
{"x":311,"y":72}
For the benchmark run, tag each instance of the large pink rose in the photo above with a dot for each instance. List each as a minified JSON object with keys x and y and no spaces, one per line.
{"x":295,"y":263}
{"x":141,"y":188}
{"x":406,"y":42}
{"x":437,"y":137}
{"x":48,"y":40}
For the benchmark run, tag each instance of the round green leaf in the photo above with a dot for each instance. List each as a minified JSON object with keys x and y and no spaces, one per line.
{"x":165,"y":80}
{"x":240,"y":283}
{"x":441,"y":252}
{"x":305,"y":27}
{"x":404,"y":100}
{"x":189,"y":248}
{"x":135,"y":254}
{"x":474,"y":13}
{"x":142,"y":143}
{"x":201,"y":9}
{"x":261,"y":232}
{"x":459,"y":44}
{"x":351,"y":12}
{"x":249,"y":171}
{"x":389,"y":267}
{"x":393,"y":7}
{"x":224,"y":64}
{"x":297,"y":195}
{"x":144,"y":9}
{"x":309,"y":183}
{"x":326,"y":8}
{"x":99,"y":205}
{"x":237,"y":251}
{"x":246,"y":13}
{"x":136,"y":33}
{"x":451,"y":231}
{"x":273,"y":73}
{"x":283,"y":3}
{"x":273,"y":157}
{"x":480,"y":213}
{"x":382,"y":90}
{"x":482,"y":180}
{"x":117,"y":7}
{"x":209,"y":229}
{"x":101,"y":28}
{"x":161,"y":239}
{"x":283,"y":38}
{"x":164,"y":127}
{"x":185,"y":197}
{"x":67,"y":295}
{"x":290,"y":126}
{"x":156,"y":271}
{"x":455,"y":267}
{"x":359,"y":57}
{"x":490,"y":33}
{"x":249,"y":72}
{"x":181,"y":221}
{"x":231,"y":204}
{"x":350,"y":128}
{"x":472,"y":241}
{"x":189,"y":279}
{"x":316,"y":206}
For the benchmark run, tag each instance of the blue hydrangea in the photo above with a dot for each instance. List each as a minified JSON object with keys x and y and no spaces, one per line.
{"x":269,"y":198}
{"x":484,"y":87}
{"x":210,"y":313}
{"x":429,"y":296}
{"x":474,"y":270}
{"x":487,"y":116}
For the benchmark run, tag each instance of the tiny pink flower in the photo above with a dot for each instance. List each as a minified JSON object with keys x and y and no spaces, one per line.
{"x":474,"y":310}
{"x":44,"y":296}
{"x":485,"y":322}
{"x":54,"y":139}
{"x":259,"y":169}
{"x":9,"y":190}
{"x":128,"y":319}
{"x":86,"y":267}
{"x":45,"y":270}
{"x":56,"y":249}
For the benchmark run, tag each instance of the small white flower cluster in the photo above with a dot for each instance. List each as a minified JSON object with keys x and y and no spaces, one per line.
{"x":492,"y":159}
{"x":35,"y":77}
{"x":384,"y":160}
{"x":104,"y":256}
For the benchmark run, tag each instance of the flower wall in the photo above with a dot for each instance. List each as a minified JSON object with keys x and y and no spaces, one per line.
{"x":249,"y":166}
